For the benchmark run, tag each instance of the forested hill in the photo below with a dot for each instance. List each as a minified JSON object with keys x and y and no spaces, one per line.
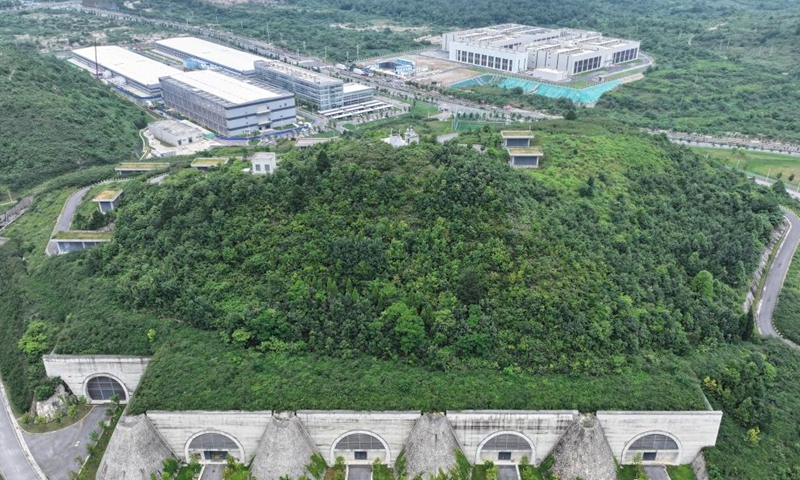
{"x":56,"y":119}
{"x":622,"y":246}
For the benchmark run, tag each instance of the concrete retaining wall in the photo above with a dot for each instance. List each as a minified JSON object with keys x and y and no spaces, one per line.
{"x":77,"y":370}
{"x":543,"y":428}
{"x":691,"y":430}
{"x":178,"y":428}
{"x":327,"y":427}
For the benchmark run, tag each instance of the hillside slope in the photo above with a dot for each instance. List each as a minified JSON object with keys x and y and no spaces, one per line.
{"x":622,"y":246}
{"x":57,"y":119}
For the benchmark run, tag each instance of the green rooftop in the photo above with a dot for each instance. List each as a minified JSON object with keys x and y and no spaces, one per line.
{"x":516,"y":133}
{"x":209,"y":162}
{"x":525,"y":151}
{"x":108,"y":195}
{"x":142,"y":166}
{"x":82,"y":235}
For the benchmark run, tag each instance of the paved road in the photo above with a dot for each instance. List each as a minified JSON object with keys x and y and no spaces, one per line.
{"x":55,"y":452}
{"x":212,"y":472}
{"x":13,"y":462}
{"x":70,"y":207}
{"x":775,"y":278}
{"x":656,"y":473}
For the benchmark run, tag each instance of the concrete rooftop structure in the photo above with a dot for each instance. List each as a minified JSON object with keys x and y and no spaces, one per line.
{"x":137,"y":69}
{"x":227,"y":58}
{"x":228,"y":89}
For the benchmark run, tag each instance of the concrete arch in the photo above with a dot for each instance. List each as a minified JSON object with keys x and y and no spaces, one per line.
{"x":89,"y":399}
{"x":486,"y":440}
{"x":388,"y":459}
{"x":187,"y":455}
{"x":627,"y":455}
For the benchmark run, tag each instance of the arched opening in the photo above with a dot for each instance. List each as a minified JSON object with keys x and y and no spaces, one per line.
{"x":654,"y":448}
{"x":214,"y":447}
{"x":505,"y":448}
{"x":102,"y":388}
{"x":360,"y":448}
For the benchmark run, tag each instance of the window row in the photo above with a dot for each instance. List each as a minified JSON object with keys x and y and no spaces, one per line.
{"x":586,"y":65}
{"x":488,"y":61}
{"x":624,"y":56}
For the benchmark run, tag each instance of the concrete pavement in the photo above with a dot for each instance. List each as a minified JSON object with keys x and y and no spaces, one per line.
{"x":656,"y":472}
{"x":55,"y":451}
{"x":774,"y":281}
{"x":16,"y":462}
{"x":68,"y":212}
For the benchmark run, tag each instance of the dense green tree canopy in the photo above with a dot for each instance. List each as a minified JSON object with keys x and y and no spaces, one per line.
{"x":56,"y":119}
{"x":437,"y":255}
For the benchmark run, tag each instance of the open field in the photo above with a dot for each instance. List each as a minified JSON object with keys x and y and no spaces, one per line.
{"x":763,"y":163}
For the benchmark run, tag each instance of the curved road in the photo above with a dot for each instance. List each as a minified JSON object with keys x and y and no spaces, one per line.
{"x":15,"y":463}
{"x":64,"y":221}
{"x":775,"y":277}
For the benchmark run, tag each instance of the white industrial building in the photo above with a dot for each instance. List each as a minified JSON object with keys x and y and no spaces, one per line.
{"x":355,"y":93}
{"x":321,"y":91}
{"x":222,"y":57}
{"x":553,"y":54}
{"x":227,"y":105}
{"x":140,"y":74}
{"x":175,"y":133}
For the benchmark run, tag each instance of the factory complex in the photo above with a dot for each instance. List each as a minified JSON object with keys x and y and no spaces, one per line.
{"x":222,"y":57}
{"x":134,"y":72}
{"x":224,"y":89}
{"x":227,"y":105}
{"x":550,"y":54}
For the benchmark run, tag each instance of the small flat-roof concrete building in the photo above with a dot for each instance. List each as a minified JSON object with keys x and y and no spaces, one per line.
{"x":263,"y":163}
{"x":516,"y":138}
{"x":107,"y":200}
{"x":136,"y":167}
{"x":225,"y":58}
{"x":227,"y":105}
{"x":207,"y":163}
{"x":518,"y":145}
{"x":72,"y":241}
{"x":175,"y":133}
{"x":140,"y":73}
{"x":525,"y":157}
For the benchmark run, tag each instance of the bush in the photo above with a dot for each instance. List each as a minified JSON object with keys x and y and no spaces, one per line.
{"x":43,"y":392}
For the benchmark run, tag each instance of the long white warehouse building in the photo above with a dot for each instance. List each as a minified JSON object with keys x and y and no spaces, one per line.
{"x":139,"y":72}
{"x":549,"y":53}
{"x":227,"y":105}
{"x":220,"y":56}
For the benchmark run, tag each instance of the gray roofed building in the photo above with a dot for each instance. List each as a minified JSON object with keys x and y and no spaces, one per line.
{"x":284,"y":450}
{"x":134,"y":452}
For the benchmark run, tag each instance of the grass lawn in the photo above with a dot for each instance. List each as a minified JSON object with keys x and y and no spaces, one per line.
{"x":787,"y":313}
{"x":627,"y":472}
{"x":349,"y":126}
{"x":33,"y":229}
{"x":762,"y":163}
{"x":425,"y":109}
{"x":682,"y":472}
{"x":331,"y":134}
{"x":65,"y":422}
